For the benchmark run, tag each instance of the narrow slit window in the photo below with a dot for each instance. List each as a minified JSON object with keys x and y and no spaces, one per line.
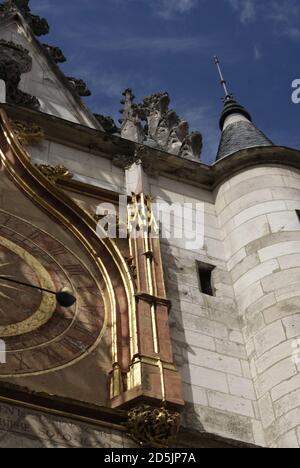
{"x":205,"y":278}
{"x":298,"y":214}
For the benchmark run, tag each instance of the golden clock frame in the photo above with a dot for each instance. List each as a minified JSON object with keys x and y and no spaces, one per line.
{"x":140,"y":371}
{"x":48,"y":303}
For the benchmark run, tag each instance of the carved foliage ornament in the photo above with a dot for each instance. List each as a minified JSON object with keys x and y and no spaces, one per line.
{"x":155,"y":427}
{"x":53,"y":173}
{"x":107,"y":123}
{"x":27,"y":133}
{"x":163,"y":129}
{"x":14,"y":61}
{"x":55,"y":53}
{"x":126,"y":161}
{"x":80,"y":86}
{"x":38,"y":25}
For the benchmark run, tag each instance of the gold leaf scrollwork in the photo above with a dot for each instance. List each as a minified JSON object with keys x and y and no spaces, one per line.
{"x":53,"y":173}
{"x":155,"y":427}
{"x":27,"y":133}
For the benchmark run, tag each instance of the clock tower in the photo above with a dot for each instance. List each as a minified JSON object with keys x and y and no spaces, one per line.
{"x":83,"y":317}
{"x":146,"y":298}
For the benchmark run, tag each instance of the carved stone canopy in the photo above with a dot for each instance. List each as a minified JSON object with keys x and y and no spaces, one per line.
{"x":162,"y":128}
{"x":14,"y":61}
{"x":38,"y":25}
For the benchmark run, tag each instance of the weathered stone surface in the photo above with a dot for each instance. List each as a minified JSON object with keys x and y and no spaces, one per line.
{"x":80,"y":86}
{"x":230,"y":403}
{"x":241,"y":387}
{"x":55,"y":53}
{"x":14,"y":61}
{"x":107,"y":123}
{"x":277,"y":374}
{"x":163,"y":129}
{"x":38,"y":25}
{"x":269,"y":337}
{"x":30,"y":429}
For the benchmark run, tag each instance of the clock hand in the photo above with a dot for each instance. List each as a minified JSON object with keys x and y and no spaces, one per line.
{"x":64,"y":297}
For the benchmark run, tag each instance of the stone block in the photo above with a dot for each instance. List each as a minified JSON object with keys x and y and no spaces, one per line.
{"x":286,"y":387}
{"x":230,"y":404}
{"x":241,"y":387}
{"x":287,"y":403}
{"x":207,"y":327}
{"x":255,"y":274}
{"x":215,"y":361}
{"x":204,"y":378}
{"x":284,"y":278}
{"x":282,"y":309}
{"x":266,"y":410}
{"x":258,"y":210}
{"x":274,"y":376}
{"x":292,"y":325}
{"x":283,"y":221}
{"x":196,"y":395}
{"x":231,"y":349}
{"x":269,"y":337}
{"x":288,"y":441}
{"x":274,"y":355}
{"x":278,"y":250}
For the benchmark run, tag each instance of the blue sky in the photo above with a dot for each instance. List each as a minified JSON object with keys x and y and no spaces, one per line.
{"x":168,"y":45}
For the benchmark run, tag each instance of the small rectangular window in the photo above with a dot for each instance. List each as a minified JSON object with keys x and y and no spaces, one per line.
{"x":298,"y":214}
{"x":205,"y":278}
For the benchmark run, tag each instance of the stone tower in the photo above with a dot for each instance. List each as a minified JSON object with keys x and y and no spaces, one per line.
{"x":257,"y":206}
{"x":183,"y":335}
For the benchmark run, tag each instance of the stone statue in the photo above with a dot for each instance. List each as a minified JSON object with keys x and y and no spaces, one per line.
{"x":192,"y":146}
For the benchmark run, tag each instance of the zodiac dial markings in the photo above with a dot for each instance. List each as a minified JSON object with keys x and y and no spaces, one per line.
{"x":40,"y":335}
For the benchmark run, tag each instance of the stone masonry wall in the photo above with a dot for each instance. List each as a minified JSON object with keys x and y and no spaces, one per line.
{"x":256,"y":209}
{"x":208,"y":344}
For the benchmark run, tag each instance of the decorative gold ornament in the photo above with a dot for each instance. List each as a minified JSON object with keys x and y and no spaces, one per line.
{"x":27,"y":133}
{"x":155,"y":427}
{"x":53,"y":173}
{"x":48,"y":302}
{"x":141,"y":217}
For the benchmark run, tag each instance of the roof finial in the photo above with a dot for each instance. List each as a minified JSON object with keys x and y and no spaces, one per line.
{"x":223,"y":81}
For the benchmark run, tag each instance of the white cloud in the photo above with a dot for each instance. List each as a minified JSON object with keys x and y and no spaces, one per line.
{"x":155,"y":45}
{"x":151,"y":45}
{"x":283,"y":15}
{"x":245,"y":8}
{"x":257,"y":53}
{"x":169,"y":9}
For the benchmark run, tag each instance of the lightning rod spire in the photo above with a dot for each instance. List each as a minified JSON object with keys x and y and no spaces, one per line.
{"x":223,"y":81}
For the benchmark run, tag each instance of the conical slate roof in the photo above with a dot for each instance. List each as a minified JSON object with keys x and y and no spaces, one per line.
{"x":240,"y":133}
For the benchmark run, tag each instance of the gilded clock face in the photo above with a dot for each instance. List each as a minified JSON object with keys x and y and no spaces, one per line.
{"x":40,"y":335}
